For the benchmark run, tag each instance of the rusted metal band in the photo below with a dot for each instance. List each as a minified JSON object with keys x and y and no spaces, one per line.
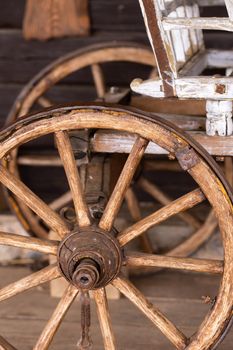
{"x":187,"y":158}
{"x":159,"y":48}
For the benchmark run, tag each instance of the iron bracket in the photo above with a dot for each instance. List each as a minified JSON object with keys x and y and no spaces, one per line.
{"x":187,"y":158}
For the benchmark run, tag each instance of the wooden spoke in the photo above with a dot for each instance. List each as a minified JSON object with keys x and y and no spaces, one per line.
{"x":53,"y":324}
{"x":44,"y":102}
{"x":28,"y":217}
{"x":191,"y":244}
{"x":135,"y":212}
{"x":123,"y":183}
{"x":162,"y":198}
{"x":68,"y":160}
{"x":98,"y":79}
{"x":160,"y":321}
{"x":194,"y":242}
{"x":52,"y":219}
{"x":153,"y":73}
{"x":39,"y":160}
{"x":161,"y":261}
{"x":45,"y":275}
{"x":39,"y":245}
{"x":4,"y":345}
{"x":164,"y":165}
{"x":104,"y":319}
{"x":62,"y":201}
{"x":183,"y":203}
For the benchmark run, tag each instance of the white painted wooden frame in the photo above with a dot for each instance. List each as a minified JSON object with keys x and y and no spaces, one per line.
{"x":185,"y":51}
{"x":210,"y":2}
{"x":174,"y":29}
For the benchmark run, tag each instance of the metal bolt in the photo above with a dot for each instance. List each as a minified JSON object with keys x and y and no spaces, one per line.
{"x":86,"y":275}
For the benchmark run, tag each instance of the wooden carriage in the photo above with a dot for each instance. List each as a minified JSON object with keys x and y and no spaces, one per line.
{"x":91,"y":253}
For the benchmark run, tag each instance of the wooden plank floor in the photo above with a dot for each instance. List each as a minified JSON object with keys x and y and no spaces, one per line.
{"x":178,"y":295}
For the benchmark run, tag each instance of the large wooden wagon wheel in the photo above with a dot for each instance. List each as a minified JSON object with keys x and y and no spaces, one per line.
{"x":36,"y":92}
{"x":91,"y":253}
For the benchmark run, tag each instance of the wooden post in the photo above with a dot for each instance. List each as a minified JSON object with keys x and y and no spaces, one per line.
{"x":219,"y":118}
{"x":229,"y":6}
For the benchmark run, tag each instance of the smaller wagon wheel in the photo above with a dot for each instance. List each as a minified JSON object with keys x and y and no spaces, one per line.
{"x":91,"y":253}
{"x":35,"y":93}
{"x":90,"y":59}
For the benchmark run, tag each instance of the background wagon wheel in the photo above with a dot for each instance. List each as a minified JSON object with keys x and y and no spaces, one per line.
{"x":92,"y":62}
{"x":39,"y":91}
{"x":86,"y":246}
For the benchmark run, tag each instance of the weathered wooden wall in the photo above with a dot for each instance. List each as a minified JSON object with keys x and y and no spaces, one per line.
{"x":111,"y":20}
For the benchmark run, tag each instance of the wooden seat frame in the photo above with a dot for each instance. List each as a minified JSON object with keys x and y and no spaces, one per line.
{"x":174,"y":28}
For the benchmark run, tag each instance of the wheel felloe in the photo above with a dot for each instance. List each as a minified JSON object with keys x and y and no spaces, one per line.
{"x":89,"y":258}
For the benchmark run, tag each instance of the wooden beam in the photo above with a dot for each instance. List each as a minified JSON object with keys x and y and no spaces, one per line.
{"x":203,"y":87}
{"x":207,"y":23}
{"x":220,"y":58}
{"x":116,"y":142}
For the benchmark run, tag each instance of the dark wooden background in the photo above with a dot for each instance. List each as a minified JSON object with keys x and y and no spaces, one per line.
{"x":20,"y":60}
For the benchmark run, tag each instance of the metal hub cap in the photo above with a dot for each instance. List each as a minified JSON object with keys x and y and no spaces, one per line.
{"x":90,"y":258}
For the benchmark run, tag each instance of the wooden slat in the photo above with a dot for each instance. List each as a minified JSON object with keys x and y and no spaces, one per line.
{"x":202,"y":87}
{"x":210,"y":2}
{"x":114,"y":142}
{"x":39,"y":160}
{"x":220,"y":58}
{"x":208,"y":23}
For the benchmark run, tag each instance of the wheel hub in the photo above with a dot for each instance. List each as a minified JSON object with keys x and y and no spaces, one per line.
{"x":90,"y":258}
